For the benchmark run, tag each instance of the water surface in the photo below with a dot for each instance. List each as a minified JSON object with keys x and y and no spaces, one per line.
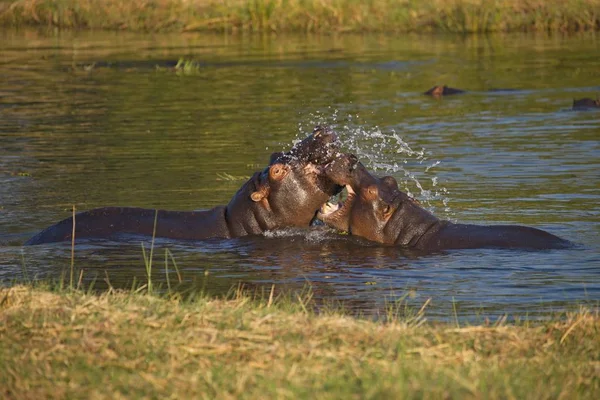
{"x":99,"y":119}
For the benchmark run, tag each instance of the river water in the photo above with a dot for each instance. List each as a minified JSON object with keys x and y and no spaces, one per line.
{"x":100,"y":119}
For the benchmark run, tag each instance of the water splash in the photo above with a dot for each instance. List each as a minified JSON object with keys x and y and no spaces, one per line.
{"x":318,"y":234}
{"x":385,"y":151}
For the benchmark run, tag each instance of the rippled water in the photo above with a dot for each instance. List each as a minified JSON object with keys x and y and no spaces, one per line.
{"x":99,"y":119}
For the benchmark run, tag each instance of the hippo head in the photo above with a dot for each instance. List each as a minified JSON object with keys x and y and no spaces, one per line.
{"x":319,"y":148}
{"x":290,"y":191}
{"x":586,"y":103}
{"x":375,"y":209}
{"x":439,"y":91}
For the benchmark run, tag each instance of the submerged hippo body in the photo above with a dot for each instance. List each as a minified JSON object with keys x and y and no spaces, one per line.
{"x":377,"y":210}
{"x":586,"y":104}
{"x":443,"y":90}
{"x":110,"y":222}
{"x":287,"y":193}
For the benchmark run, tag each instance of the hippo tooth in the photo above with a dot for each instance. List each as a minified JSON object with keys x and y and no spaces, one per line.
{"x":329,"y":208}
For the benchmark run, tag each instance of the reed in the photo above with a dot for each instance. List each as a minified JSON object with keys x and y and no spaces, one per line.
{"x":320,"y":16}
{"x":72,"y":270}
{"x":148,"y":259}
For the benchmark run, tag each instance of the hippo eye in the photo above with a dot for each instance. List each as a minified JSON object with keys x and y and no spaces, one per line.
{"x":387,"y":208}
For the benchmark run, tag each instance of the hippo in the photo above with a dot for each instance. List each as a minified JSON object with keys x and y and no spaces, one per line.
{"x":287,"y":193}
{"x":586,"y":103}
{"x":439,"y":91}
{"x":377,"y":210}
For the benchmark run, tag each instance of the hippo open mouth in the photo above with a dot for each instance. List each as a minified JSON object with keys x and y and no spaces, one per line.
{"x":319,"y":181}
{"x":336,"y":211}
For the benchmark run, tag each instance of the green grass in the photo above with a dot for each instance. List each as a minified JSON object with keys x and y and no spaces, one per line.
{"x":66,"y":343}
{"x":323,"y":16}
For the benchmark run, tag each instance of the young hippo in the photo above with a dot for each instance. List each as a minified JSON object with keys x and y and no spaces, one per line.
{"x":377,"y":210}
{"x":287,"y":193}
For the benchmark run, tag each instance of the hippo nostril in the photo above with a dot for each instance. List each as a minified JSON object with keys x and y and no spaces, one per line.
{"x":325,"y":132}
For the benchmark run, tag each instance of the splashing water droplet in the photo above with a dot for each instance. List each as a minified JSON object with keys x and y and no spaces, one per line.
{"x":435,"y":164}
{"x":385,"y":152}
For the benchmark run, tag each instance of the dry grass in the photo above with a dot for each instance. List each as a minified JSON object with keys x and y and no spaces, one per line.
{"x":323,"y":16}
{"x":127,"y":345}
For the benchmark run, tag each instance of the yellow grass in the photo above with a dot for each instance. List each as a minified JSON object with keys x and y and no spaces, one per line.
{"x":324,"y":16}
{"x":127,"y":345}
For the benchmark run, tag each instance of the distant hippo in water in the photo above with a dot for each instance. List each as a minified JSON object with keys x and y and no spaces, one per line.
{"x":586,"y":103}
{"x":439,"y":91}
{"x":377,"y":210}
{"x":287,"y":193}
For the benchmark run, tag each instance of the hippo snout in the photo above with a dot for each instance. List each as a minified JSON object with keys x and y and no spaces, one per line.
{"x":340,"y":170}
{"x":324,"y":133}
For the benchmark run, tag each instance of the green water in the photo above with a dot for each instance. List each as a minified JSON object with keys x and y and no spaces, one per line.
{"x":99,"y":119}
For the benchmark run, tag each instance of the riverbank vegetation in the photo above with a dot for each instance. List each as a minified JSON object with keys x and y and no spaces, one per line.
{"x":321,"y":16}
{"x":62,"y":343}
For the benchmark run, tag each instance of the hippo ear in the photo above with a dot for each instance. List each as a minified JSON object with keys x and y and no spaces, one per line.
{"x":257,"y":196}
{"x":390,"y":181}
{"x":260,"y":193}
{"x":278,"y":171}
{"x":371,"y":193}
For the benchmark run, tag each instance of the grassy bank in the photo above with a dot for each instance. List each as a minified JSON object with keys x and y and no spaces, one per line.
{"x":306,"y":15}
{"x":76,"y":345}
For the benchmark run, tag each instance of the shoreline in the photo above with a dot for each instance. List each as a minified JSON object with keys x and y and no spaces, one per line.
{"x":308,"y":16}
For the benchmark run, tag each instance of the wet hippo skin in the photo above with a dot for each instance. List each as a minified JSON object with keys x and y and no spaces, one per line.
{"x":377,"y":210}
{"x":287,"y":193}
{"x":586,"y":103}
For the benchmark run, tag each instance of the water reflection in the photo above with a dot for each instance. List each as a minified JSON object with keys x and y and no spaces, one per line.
{"x":126,"y":133}
{"x":366,"y":278}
